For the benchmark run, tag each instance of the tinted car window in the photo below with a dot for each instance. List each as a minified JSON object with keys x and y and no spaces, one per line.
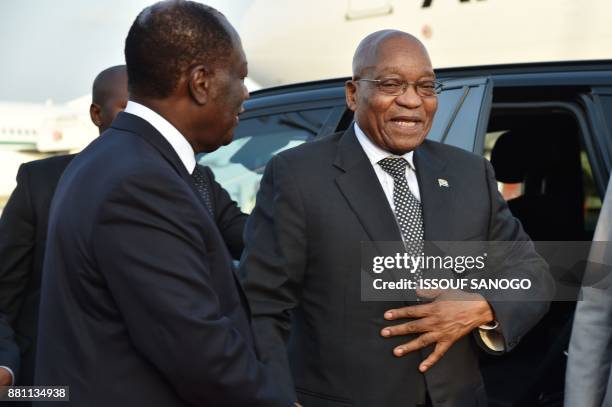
{"x":240,"y":165}
{"x":458,"y":118}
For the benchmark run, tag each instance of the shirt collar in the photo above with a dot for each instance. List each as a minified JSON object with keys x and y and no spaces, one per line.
{"x":178,"y":142}
{"x":375,"y":153}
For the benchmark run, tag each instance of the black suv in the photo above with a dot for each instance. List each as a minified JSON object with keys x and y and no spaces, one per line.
{"x":547,"y":129}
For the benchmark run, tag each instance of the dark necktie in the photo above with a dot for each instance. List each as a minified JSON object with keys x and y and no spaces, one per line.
{"x":201,"y":184}
{"x":408,"y":211}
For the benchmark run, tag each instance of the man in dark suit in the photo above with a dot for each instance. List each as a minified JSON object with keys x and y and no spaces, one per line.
{"x":23,"y":230}
{"x":23,"y":234}
{"x":140,"y":304}
{"x":379,"y":181}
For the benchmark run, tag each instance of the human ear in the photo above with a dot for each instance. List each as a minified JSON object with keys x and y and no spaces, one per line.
{"x":95,"y":113}
{"x":350,"y":93}
{"x":199,"y":84}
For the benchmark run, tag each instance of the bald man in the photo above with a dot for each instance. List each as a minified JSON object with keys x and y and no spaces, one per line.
{"x":379,"y":181}
{"x":23,"y":230}
{"x":109,"y":96}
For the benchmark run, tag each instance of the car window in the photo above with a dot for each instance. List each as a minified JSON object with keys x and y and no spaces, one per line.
{"x":459,"y":119}
{"x":544,"y":172}
{"x":239,"y":166}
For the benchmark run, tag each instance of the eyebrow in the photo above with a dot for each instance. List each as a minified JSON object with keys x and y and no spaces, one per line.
{"x":398,"y":71}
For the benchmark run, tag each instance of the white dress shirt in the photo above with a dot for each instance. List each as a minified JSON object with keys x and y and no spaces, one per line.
{"x":375,"y":154}
{"x":489,"y":334}
{"x":178,"y":142}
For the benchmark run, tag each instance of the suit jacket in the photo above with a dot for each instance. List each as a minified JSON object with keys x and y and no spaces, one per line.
{"x":316,"y":203}
{"x":23,"y":234}
{"x":588,"y":380}
{"x":139,"y":302}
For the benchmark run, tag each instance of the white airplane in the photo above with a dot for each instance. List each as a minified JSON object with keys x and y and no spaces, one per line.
{"x":29,"y":131}
{"x":46,"y":128}
{"x":306,"y":40}
{"x":297,"y":41}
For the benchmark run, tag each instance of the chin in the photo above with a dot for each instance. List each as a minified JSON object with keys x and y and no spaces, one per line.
{"x":406,"y":145}
{"x":227,"y":140}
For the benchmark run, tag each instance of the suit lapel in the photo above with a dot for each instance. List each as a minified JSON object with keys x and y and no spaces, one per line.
{"x":436,"y":188}
{"x":362,"y":190}
{"x":142,"y":128}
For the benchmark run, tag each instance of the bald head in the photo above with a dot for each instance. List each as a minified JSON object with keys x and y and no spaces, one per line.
{"x":109,"y":96}
{"x":393,"y":90}
{"x":369,"y":51}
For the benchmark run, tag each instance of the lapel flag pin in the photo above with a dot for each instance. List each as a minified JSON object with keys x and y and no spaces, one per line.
{"x":442,"y":182}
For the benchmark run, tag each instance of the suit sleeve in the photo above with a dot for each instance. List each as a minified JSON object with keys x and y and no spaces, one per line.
{"x":590,"y":354}
{"x":515,"y":310}
{"x":9,"y":351}
{"x":273,"y":262}
{"x":229,"y":218}
{"x":588,"y":380}
{"x":17,"y":238}
{"x":150,"y":246}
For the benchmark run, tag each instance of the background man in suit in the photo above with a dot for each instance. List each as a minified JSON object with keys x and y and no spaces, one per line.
{"x":378,"y":181}
{"x":139,"y":301}
{"x":588,"y":380}
{"x":23,"y":233}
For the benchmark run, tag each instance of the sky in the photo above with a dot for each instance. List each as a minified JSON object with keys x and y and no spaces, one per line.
{"x":52,"y":49}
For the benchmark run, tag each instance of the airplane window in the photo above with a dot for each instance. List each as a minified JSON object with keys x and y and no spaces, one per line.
{"x":240,"y":165}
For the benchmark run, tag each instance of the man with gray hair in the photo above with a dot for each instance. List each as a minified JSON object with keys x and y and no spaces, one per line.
{"x":379,"y":181}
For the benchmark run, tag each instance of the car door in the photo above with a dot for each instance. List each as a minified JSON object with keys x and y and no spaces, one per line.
{"x":270,"y":125}
{"x":598,"y":105}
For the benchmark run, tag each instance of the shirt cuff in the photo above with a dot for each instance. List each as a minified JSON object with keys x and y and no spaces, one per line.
{"x":11,"y":372}
{"x":491,"y":337}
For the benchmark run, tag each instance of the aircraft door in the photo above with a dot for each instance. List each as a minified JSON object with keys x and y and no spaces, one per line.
{"x":358,"y":9}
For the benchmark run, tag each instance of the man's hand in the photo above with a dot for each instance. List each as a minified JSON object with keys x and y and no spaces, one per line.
{"x":5,"y":380}
{"x":452,"y":315}
{"x":5,"y":377}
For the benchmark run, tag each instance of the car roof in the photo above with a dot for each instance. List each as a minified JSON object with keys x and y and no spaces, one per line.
{"x":523,"y":74}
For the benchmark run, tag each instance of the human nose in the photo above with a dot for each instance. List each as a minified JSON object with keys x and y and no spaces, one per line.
{"x":409,"y":98}
{"x":245,"y":92}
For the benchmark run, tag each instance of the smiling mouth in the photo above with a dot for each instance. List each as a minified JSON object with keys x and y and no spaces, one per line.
{"x":402,"y":123}
{"x":406,"y":122}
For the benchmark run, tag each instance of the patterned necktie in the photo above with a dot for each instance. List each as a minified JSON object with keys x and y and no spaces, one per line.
{"x":408,"y":211}
{"x":201,"y":183}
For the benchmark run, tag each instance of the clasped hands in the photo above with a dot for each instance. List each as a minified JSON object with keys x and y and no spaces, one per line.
{"x":451,"y":315}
